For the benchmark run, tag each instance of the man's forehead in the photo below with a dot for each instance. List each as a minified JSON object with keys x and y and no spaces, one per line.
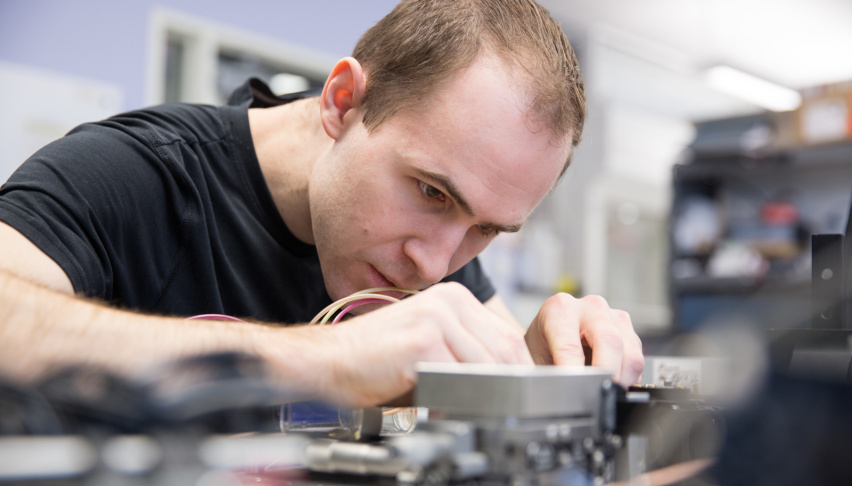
{"x":476,"y":132}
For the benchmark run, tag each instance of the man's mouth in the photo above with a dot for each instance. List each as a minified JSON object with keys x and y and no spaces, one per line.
{"x":378,"y":279}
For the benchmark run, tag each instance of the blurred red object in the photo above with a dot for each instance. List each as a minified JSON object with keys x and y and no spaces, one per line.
{"x":779,"y":213}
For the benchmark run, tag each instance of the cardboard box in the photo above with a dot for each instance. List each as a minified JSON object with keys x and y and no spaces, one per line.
{"x":826,"y":114}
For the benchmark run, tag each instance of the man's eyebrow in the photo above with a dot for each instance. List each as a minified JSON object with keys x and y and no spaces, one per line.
{"x":445,"y":184}
{"x":503,"y":228}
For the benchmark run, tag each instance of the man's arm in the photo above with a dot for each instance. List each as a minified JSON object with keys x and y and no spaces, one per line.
{"x":369,"y":360}
{"x":20,"y":257}
{"x":42,"y":330}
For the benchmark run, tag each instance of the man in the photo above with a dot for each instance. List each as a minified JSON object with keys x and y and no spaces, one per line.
{"x":449,"y":124}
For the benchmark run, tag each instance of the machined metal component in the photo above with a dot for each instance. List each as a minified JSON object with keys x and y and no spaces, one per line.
{"x":532,"y":422}
{"x":497,"y":390}
{"x":498,"y":423}
{"x":326,"y":455}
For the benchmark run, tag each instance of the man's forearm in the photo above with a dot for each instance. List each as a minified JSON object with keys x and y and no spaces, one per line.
{"x":367,"y":361}
{"x":42,"y":330}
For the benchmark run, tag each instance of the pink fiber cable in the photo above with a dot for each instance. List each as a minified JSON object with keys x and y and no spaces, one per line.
{"x":354,"y":305}
{"x":213,"y":317}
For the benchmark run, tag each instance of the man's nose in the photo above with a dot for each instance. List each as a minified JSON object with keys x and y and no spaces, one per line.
{"x":433,"y":250}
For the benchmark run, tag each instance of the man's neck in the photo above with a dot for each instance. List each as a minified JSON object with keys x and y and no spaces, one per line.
{"x":288,"y":139}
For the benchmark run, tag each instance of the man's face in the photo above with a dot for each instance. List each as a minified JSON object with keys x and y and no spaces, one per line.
{"x":424,"y":193}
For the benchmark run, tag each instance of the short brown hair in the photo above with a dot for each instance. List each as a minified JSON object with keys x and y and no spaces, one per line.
{"x":422,"y":42}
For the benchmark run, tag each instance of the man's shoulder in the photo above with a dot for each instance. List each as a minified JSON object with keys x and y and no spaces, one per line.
{"x":172,"y":133}
{"x":169,"y":122}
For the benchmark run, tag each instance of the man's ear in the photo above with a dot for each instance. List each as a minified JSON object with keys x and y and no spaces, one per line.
{"x":343,"y":92}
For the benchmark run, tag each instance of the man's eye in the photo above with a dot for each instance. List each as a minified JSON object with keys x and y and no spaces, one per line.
{"x":431,"y":192}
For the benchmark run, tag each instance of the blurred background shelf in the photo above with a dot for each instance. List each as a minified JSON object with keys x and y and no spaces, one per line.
{"x":745,"y":202}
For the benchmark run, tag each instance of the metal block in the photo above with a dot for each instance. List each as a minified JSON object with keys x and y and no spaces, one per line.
{"x":827,"y":279}
{"x":705,"y":376}
{"x":510,"y":391}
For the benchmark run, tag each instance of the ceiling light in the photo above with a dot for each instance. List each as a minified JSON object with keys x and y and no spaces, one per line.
{"x":753,"y":89}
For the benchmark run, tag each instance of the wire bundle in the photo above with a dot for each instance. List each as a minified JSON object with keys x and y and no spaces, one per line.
{"x":213,"y":317}
{"x":363,"y":297}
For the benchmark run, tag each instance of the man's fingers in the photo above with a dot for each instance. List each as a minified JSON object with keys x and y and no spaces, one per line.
{"x":633,"y":362}
{"x":503,"y":340}
{"x":472,"y":321}
{"x":559,"y":323}
{"x":465,"y":346}
{"x":565,"y":325}
{"x":601,"y":333}
{"x":374,"y":355}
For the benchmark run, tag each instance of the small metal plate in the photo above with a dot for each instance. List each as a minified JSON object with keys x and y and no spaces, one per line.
{"x":520,"y":391}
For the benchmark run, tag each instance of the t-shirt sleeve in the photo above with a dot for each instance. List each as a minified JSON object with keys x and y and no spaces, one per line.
{"x":80,"y":198}
{"x":472,"y":277}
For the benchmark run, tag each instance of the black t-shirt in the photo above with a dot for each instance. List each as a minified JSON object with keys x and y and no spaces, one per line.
{"x":165,"y":210}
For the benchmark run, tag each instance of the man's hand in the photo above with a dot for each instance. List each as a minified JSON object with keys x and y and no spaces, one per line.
{"x":371,"y":359}
{"x":565,"y":325}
